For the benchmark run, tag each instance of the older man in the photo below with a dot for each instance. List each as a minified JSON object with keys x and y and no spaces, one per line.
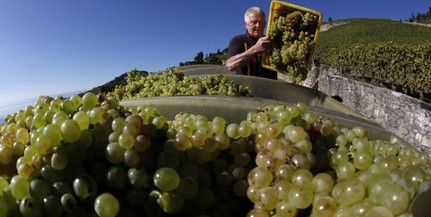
{"x":245,"y":50}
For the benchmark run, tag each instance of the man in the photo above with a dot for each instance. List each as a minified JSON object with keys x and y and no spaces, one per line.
{"x":245,"y":51}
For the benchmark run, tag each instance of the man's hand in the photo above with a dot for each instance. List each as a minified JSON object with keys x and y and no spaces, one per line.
{"x":262,"y":45}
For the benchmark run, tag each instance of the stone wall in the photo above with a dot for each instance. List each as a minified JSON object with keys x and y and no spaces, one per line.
{"x":400,"y":114}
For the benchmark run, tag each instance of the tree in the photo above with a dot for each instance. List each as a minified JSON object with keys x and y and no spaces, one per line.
{"x":330,"y":20}
{"x":199,"y":57}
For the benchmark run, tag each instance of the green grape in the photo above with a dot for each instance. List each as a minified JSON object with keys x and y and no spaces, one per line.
{"x":118,"y":124}
{"x":302,"y":177}
{"x":362,"y":160}
{"x":232,"y":130}
{"x":60,"y":188}
{"x":341,"y":140}
{"x":222,"y":140}
{"x":381,"y":211}
{"x":285,"y":172}
{"x":301,"y":161}
{"x":188,"y":187}
{"x":71,"y":130}
{"x":267,"y":198}
{"x":43,"y":144}
{"x":322,"y":182}
{"x":218,"y":125}
{"x":340,"y":156}
{"x":296,"y":134}
{"x":166,"y":179}
{"x":3,"y":184}
{"x":82,"y":119}
{"x":76,"y":100}
{"x":85,"y":187}
{"x":198,"y":139}
{"x":55,"y":105}
{"x":305,"y":146}
{"x":396,"y":199}
{"x":39,"y":189}
{"x":345,"y":170}
{"x":4,"y":209}
{"x":97,"y":114}
{"x":106,"y":205}
{"x":59,"y":159}
{"x":22,"y":135}
{"x":282,"y":189}
{"x":52,"y":206}
{"x":348,"y":191}
{"x":126,"y":140}
{"x":89,"y":100}
{"x":40,"y":108}
{"x":131,"y":158}
{"x":257,"y":213}
{"x":170,"y":202}
{"x":67,"y":106}
{"x":159,"y":121}
{"x":18,"y":148}
{"x":244,"y":129}
{"x":138,"y":177}
{"x":301,"y":197}
{"x":29,"y":207}
{"x":415,"y":174}
{"x":38,"y":121}
{"x":19,"y":187}
{"x":50,"y":175}
{"x":48,"y":116}
{"x":114,"y":153}
{"x":5,"y":155}
{"x":54,"y":133}
{"x":59,"y":117}
{"x":259,"y":177}
{"x":324,"y":206}
{"x":142,"y":143}
{"x":116,"y":177}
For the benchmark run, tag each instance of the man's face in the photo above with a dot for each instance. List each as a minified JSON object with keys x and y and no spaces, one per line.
{"x":255,"y":25}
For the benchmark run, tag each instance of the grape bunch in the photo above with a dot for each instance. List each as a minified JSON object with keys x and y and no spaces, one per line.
{"x":175,"y":83}
{"x":80,"y":156}
{"x":292,"y":35}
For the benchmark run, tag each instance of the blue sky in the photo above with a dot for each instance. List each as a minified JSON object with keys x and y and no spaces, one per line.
{"x":49,"y":47}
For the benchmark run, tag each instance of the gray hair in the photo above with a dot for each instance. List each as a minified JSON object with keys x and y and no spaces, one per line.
{"x":251,"y":10}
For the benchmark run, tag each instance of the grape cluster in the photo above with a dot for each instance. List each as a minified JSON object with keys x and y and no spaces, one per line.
{"x":292,"y":35}
{"x":84,"y":157}
{"x":175,"y":83}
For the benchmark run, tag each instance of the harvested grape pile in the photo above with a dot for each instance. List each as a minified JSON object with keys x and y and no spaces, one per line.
{"x":175,"y":83}
{"x":292,"y":34}
{"x":84,"y":157}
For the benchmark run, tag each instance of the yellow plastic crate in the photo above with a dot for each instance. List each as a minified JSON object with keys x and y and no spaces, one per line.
{"x":274,"y":14}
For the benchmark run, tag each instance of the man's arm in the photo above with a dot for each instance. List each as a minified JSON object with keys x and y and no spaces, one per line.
{"x":239,"y":60}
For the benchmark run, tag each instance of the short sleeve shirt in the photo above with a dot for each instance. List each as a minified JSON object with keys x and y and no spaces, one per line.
{"x":241,"y":43}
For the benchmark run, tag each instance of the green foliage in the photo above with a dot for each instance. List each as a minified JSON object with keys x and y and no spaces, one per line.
{"x":391,"y":53}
